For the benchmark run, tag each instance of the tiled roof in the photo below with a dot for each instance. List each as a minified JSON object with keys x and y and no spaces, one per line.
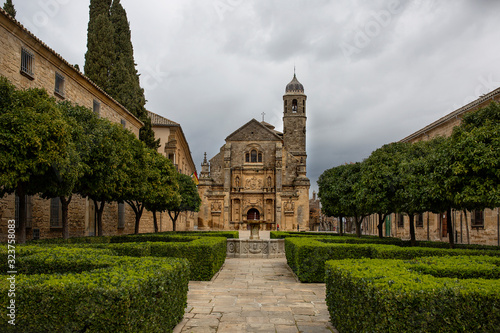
{"x":64,"y":61}
{"x":160,"y":121}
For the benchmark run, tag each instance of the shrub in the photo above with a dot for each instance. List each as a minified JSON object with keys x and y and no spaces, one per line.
{"x":413,"y":296}
{"x":306,"y":256}
{"x":206,"y":255}
{"x":87,"y":290}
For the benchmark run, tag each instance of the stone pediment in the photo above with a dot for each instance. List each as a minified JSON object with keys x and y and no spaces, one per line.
{"x":253,"y":131}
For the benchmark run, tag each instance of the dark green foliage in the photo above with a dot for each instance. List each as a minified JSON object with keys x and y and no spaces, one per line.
{"x":34,"y":137}
{"x":425,"y":295}
{"x":108,"y":163}
{"x":9,"y":8}
{"x":205,"y":253}
{"x":306,"y":256}
{"x":109,"y":62}
{"x":87,"y":290}
{"x":340,"y":195}
{"x":190,"y":199}
{"x":100,"y":51}
{"x":475,"y":164}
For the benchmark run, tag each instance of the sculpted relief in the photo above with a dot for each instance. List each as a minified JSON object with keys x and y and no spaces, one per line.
{"x":253,"y":184}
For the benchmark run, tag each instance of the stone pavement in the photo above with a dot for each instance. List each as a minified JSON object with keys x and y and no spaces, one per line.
{"x":255,"y":295}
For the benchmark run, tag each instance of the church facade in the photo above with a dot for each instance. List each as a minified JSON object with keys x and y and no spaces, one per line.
{"x":259,"y":175}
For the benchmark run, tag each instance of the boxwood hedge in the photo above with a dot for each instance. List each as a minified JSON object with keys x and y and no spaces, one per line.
{"x":206,"y":255}
{"x":307,"y":256}
{"x":160,"y":236}
{"x":438,"y":294}
{"x":88,"y":290}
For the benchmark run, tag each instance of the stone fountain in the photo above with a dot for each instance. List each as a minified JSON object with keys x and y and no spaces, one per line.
{"x":255,"y":247}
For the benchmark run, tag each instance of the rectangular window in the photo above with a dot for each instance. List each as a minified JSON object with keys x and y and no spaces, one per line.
{"x":55,"y":213}
{"x":419,"y":220}
{"x":29,"y":210}
{"x":401,"y":221}
{"x":97,"y":108}
{"x":121,"y":215}
{"x":27,"y":63}
{"x":59,"y":86}
{"x":477,"y":219}
{"x":124,"y":123}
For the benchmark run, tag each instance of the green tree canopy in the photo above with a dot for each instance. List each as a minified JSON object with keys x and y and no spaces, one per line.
{"x":62,"y":181}
{"x":379,"y":179}
{"x":476,"y":159}
{"x":165,"y":192}
{"x":339,"y":194}
{"x":107,"y":163}
{"x":190,"y":199}
{"x":34,"y":137}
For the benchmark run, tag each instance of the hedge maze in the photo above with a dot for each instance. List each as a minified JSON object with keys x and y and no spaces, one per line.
{"x":389,"y":288}
{"x":429,"y":294}
{"x":135,"y":283}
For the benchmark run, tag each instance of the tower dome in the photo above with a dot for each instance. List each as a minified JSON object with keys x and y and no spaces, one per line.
{"x":294,"y":86}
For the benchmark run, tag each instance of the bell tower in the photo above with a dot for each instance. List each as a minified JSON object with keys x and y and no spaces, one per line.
{"x":294,"y":119}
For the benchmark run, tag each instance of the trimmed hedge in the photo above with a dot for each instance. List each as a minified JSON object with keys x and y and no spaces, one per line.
{"x":166,"y":236}
{"x":206,"y":255}
{"x":351,"y":239}
{"x":88,"y":290}
{"x":307,"y":256}
{"x":413,"y":296}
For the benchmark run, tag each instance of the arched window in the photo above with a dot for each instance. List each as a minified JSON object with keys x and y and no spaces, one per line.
{"x":294,"y":105}
{"x":253,"y":156}
{"x":260,"y":158}
{"x":247,"y":157}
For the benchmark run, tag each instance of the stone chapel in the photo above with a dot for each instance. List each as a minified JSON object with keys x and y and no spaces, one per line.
{"x":260,"y":174}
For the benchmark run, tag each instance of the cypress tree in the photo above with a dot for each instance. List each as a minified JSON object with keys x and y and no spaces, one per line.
{"x":100,"y":51}
{"x":125,"y":86}
{"x":9,"y":8}
{"x":109,"y":62}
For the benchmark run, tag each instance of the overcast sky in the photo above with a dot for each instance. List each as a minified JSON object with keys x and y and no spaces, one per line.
{"x":374,"y":71}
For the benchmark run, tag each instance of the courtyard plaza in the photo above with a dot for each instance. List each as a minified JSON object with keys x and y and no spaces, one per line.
{"x":255,"y":295}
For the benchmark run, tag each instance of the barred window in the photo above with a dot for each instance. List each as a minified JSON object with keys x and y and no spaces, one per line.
{"x":59,"y":85}
{"x":27,"y":63}
{"x":121,"y":215}
{"x":29,"y":210}
{"x":97,"y":108}
{"x":55,"y":213}
{"x":401,"y":221}
{"x":477,"y":219}
{"x":419,"y":220}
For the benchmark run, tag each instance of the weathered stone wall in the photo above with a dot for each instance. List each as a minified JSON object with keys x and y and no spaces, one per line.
{"x":77,"y":89}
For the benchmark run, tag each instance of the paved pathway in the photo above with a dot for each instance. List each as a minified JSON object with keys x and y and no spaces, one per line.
{"x":255,"y":295}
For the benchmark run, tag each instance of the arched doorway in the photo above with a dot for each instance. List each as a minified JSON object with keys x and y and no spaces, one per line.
{"x":253,"y":214}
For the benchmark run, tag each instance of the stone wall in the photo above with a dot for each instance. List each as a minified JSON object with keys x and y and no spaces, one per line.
{"x":77,"y":89}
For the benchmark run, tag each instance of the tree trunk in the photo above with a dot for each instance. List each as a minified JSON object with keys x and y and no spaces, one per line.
{"x":138,"y":215}
{"x":21,"y":233}
{"x":358,"y":225}
{"x":413,"y":241}
{"x":380,"y":226}
{"x":65,"y":221}
{"x":341,"y":226}
{"x":174,"y":219}
{"x":467,"y":226}
{"x":450,"y":228}
{"x":99,"y":209}
{"x":155,"y":221}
